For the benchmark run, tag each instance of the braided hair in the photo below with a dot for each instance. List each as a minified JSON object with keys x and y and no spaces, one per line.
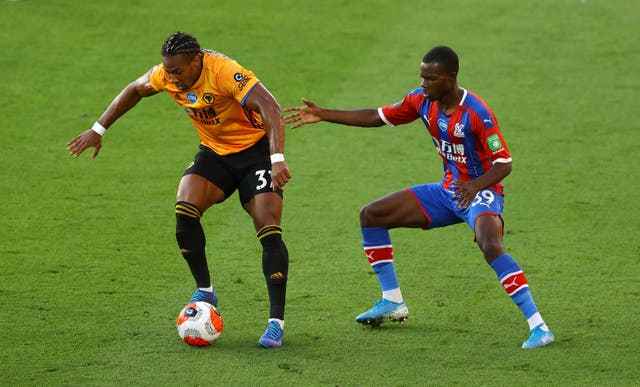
{"x":180,"y":43}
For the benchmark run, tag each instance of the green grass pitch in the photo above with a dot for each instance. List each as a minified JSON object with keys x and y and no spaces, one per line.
{"x":91,"y":280}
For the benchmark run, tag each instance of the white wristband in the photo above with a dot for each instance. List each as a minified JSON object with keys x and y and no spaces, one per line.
{"x":277,"y":157}
{"x":98,"y":128}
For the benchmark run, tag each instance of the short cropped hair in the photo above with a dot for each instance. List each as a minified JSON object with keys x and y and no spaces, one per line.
{"x":443,"y":55}
{"x":180,"y":43}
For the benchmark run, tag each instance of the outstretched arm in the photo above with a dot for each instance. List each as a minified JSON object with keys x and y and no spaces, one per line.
{"x":261,"y":101}
{"x":313,"y":113}
{"x":128,"y":98}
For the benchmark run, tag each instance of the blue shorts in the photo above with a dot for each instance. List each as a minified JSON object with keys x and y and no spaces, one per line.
{"x":439,"y":205}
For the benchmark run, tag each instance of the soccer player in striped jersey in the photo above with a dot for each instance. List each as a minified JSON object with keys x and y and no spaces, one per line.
{"x":476,"y":160}
{"x":241,"y":148}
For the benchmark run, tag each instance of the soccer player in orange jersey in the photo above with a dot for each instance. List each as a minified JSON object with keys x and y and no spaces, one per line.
{"x":241,"y":148}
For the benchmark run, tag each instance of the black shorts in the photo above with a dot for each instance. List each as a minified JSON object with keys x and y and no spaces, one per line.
{"x":248,"y":171}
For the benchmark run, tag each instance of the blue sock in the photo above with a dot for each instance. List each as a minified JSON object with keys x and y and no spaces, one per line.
{"x":515,"y":284}
{"x":377,"y":246}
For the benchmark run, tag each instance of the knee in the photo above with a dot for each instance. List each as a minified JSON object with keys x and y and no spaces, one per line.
{"x":367,"y":216}
{"x":491,"y":248}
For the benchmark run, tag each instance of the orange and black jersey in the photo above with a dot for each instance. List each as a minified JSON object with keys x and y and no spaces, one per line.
{"x":215,"y":103}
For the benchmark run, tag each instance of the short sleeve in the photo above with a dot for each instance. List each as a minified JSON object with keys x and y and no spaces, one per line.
{"x":236,"y":81}
{"x":402,"y":112}
{"x":157,"y":78}
{"x":492,"y":139}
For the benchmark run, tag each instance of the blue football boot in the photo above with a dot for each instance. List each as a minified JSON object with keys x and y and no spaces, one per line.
{"x":538,"y":338}
{"x":272,"y":337}
{"x":383,"y":311}
{"x":201,"y":295}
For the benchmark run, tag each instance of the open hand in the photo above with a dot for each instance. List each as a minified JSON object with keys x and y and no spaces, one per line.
{"x":304,"y":114}
{"x":80,"y":143}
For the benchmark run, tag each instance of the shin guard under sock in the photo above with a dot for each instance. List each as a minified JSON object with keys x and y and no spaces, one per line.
{"x":275,"y":266}
{"x":191,"y":240}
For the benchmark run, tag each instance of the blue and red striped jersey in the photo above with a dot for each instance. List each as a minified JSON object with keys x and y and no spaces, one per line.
{"x":469,"y":140}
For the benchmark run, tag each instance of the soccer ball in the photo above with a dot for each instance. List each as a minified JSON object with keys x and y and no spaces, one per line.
{"x":199,"y":323}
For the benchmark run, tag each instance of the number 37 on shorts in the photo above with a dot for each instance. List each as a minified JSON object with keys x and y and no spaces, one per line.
{"x":263,"y":179}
